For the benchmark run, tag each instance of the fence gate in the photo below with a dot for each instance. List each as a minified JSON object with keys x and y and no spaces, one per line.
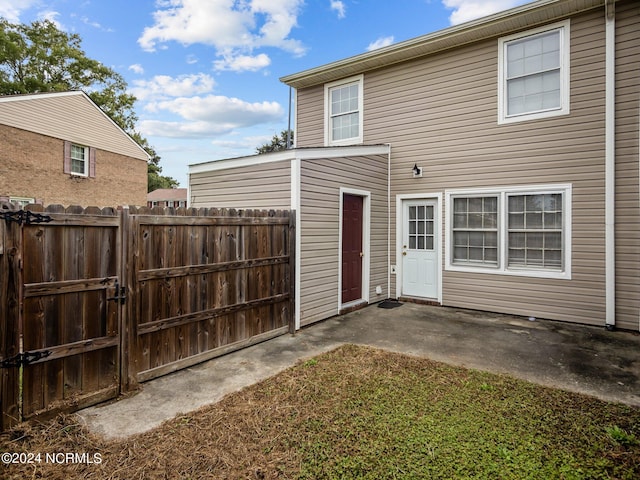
{"x":59,"y":282}
{"x":204,"y":282}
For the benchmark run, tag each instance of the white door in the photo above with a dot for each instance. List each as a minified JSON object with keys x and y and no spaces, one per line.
{"x":420,"y":249}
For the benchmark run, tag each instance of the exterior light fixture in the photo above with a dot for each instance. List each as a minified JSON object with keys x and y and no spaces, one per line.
{"x":417,"y":171}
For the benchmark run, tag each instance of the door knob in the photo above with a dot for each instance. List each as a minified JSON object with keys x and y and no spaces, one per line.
{"x":404,"y":253}
{"x":361,"y":254}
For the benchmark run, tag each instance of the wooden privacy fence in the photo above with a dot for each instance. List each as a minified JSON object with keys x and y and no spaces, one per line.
{"x":96,"y":300}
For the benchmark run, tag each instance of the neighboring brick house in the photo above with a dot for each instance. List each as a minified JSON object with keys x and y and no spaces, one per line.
{"x":61,"y":148}
{"x":167,"y":197}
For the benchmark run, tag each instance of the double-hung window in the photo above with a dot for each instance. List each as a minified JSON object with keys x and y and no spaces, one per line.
{"x":513,"y":231}
{"x":343,"y":112}
{"x":79,"y":160}
{"x":533,"y":74}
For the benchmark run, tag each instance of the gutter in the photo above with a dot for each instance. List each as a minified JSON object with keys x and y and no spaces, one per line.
{"x":610,"y":165}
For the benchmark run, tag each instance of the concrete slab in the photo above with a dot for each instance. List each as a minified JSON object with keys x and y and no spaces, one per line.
{"x":578,"y":358}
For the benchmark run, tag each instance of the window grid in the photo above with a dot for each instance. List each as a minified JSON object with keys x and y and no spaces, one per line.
{"x":344,"y":112}
{"x":475,"y":231}
{"x":533,"y":73}
{"x":421,"y":227}
{"x":535,"y":231}
{"x":78,"y":160}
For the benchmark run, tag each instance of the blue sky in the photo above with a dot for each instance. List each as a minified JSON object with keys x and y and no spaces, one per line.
{"x":206,"y":71}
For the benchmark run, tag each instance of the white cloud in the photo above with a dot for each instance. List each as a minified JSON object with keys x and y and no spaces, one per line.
{"x":210,"y":116}
{"x":339,"y":7}
{"x":379,"y":43}
{"x":232,"y":27}
{"x":162,"y":87}
{"x":465,"y":10}
{"x":11,"y":9}
{"x":136,"y":68}
{"x":243,"y":63}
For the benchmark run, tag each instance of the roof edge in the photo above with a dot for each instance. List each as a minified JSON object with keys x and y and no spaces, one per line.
{"x":467,"y":32}
{"x":305,"y":153}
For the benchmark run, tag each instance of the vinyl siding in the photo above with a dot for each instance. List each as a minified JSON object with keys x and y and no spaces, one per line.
{"x":441,"y":113}
{"x":261,"y":186}
{"x":72,"y":117}
{"x":310,"y":117}
{"x":627,"y":168}
{"x":319,"y":220}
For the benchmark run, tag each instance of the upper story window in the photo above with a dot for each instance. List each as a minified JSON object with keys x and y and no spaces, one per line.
{"x":533,"y":74}
{"x":79,"y":160}
{"x":343,"y":112}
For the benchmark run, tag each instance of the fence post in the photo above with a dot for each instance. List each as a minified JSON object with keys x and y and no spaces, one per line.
{"x":10,"y":320}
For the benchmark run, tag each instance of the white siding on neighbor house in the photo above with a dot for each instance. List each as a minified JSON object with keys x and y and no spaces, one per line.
{"x":259,"y":186}
{"x":627,"y":168}
{"x":319,"y":220}
{"x":68,"y":116}
{"x":441,"y":113}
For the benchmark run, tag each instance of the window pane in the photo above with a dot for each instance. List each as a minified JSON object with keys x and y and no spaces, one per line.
{"x":475,"y":221}
{"x":531,"y":243}
{"x":429,"y":245}
{"x":78,"y":159}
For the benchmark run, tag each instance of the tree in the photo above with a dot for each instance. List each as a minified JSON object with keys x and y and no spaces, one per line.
{"x":278,"y":143}
{"x":40,"y":58}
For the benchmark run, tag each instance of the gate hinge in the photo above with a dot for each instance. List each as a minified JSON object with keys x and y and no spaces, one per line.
{"x":24,"y":216}
{"x":24,"y":358}
{"x":120,"y":294}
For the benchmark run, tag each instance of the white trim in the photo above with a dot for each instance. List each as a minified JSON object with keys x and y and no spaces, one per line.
{"x":610,"y":165}
{"x":291,"y":154}
{"x":399,"y":235}
{"x":565,"y":74}
{"x":295,"y":205}
{"x":501,"y":193}
{"x":366,"y":245}
{"x":359,"y":79}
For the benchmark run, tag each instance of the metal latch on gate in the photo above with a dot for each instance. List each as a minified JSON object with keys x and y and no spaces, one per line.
{"x":24,"y":358}
{"x":24,"y":216}
{"x":120,"y":294}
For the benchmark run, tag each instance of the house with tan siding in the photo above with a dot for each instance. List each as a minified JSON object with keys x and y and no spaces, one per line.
{"x":61,"y":148}
{"x":493,"y":165}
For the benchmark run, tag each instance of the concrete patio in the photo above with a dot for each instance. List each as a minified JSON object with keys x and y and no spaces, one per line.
{"x":578,"y":358}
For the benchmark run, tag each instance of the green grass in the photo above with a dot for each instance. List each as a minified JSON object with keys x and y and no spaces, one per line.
{"x":402,"y":417}
{"x":363,"y":413}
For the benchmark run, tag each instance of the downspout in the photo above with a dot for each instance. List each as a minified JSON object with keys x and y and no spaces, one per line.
{"x":389,"y":220}
{"x":289,"y":123}
{"x":610,"y":165}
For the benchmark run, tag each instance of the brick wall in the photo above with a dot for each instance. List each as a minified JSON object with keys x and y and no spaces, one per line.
{"x":31,"y":165}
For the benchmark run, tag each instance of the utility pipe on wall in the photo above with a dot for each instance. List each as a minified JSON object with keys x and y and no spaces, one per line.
{"x":610,"y":164}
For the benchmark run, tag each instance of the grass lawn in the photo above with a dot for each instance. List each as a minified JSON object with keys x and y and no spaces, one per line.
{"x":359,"y":412}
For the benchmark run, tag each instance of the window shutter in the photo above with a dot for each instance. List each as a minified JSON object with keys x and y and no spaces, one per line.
{"x":67,"y":157}
{"x":92,"y":162}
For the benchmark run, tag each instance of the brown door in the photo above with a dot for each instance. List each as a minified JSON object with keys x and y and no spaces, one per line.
{"x":351,"y":248}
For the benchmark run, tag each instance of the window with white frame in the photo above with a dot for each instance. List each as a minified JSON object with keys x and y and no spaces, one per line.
{"x":475,"y":230}
{"x":534,"y":74}
{"x":79,"y":160}
{"x":515,"y":230}
{"x":22,"y":201}
{"x":343,"y":112}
